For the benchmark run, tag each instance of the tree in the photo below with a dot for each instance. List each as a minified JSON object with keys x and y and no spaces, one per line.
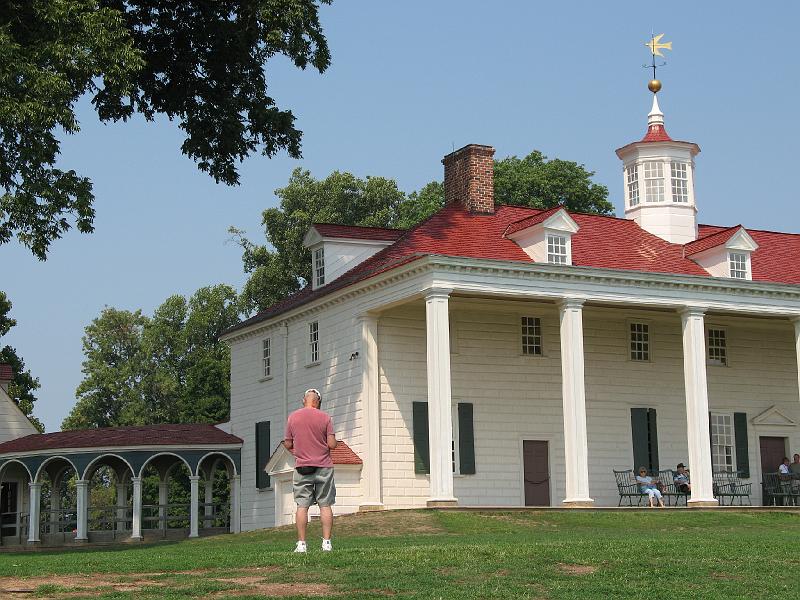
{"x":339,"y":198}
{"x":201,"y":63}
{"x":22,"y":387}
{"x":283,"y":265}
{"x":168,"y":368}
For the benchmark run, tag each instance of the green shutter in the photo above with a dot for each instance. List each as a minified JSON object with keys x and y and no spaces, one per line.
{"x":262,"y":454}
{"x":652,"y":429}
{"x":466,"y":439}
{"x":422,"y":453}
{"x":641,"y":445}
{"x":742,"y":450}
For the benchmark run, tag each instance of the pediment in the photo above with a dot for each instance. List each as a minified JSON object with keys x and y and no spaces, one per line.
{"x":312,"y":237}
{"x":741,"y":240}
{"x":281,"y":461}
{"x":561,"y":221}
{"x":774,"y":417}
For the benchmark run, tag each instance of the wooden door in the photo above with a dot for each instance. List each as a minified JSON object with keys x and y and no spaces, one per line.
{"x":536,"y":472}
{"x":773,"y":449}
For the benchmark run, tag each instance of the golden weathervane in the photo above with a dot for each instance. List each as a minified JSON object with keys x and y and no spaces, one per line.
{"x":656,"y":46}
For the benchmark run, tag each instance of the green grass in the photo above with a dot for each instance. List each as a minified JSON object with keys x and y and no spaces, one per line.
{"x":447,"y":554}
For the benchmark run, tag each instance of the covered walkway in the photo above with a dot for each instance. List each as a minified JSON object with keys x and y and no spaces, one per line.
{"x":120,"y":483}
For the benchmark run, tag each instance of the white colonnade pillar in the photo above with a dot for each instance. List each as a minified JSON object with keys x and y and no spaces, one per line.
{"x":696,"y":388}
{"x":370,"y":404}
{"x":194,"y":484}
{"x":236,"y":508}
{"x":796,"y":321}
{"x":34,"y":514}
{"x":136,"y":519}
{"x":122,"y":505}
{"x":163,"y":501}
{"x":82,"y":510}
{"x":573,"y":390}
{"x":440,"y":420}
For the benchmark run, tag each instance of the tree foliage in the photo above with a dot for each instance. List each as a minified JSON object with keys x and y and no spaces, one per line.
{"x":283,"y":265}
{"x":200,"y":62}
{"x":168,"y":368}
{"x":22,"y":387}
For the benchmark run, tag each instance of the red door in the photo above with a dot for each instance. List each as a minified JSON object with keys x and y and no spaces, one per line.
{"x":773,"y":449}
{"x":537,"y":473}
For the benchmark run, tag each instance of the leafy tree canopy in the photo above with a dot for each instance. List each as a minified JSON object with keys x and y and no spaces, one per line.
{"x":283,"y":265}
{"x":168,"y":368}
{"x":200,"y":62}
{"x":22,"y":387}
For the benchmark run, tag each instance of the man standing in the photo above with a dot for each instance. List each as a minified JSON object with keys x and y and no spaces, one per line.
{"x":309,"y":436}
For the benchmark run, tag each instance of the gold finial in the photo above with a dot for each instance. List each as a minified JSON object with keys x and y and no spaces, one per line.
{"x":656,"y":46}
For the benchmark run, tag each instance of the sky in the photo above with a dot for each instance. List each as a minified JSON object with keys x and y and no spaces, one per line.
{"x":409,"y":82}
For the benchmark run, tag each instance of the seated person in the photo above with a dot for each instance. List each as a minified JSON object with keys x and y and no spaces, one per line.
{"x":681,"y":479}
{"x":783,"y":468}
{"x":647,"y":485}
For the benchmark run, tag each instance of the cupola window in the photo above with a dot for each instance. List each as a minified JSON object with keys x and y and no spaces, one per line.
{"x":680,"y":183}
{"x":633,"y":185}
{"x":654,"y":181}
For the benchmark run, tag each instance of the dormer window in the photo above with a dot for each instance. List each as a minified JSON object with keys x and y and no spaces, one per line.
{"x":557,"y":249}
{"x":680,"y":182}
{"x":319,"y":267}
{"x":632,"y":180}
{"x":654,"y":181}
{"x":738,"y":265}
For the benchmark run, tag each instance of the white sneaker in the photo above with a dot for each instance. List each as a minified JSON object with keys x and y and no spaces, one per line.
{"x":327,"y":546}
{"x":301,"y":547}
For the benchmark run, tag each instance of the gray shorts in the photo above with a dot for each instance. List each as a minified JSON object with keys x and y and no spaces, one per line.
{"x":317,"y":488}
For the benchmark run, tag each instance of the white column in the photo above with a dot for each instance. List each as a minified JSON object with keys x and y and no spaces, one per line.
{"x":696,"y":389}
{"x":194,"y":483}
{"x":796,"y":321}
{"x":573,"y":391}
{"x":440,"y":419}
{"x":163,"y":500}
{"x":82,"y":494}
{"x":33,"y":511}
{"x":208,"y":498}
{"x":370,"y":404}
{"x":136,"y":517}
{"x":122,"y":505}
{"x":236,"y":508}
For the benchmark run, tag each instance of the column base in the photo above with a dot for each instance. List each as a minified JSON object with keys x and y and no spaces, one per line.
{"x":578,"y":503}
{"x":371,"y":507}
{"x":34,"y":542}
{"x":136,"y":538}
{"x":193,"y":535}
{"x":443,"y":503}
{"x":81,"y":540}
{"x":702,"y":504}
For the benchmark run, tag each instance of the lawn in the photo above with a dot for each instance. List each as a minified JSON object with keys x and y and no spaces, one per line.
{"x":446,"y":554}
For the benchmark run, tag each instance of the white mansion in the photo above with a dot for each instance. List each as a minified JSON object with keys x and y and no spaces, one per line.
{"x":504,"y":356}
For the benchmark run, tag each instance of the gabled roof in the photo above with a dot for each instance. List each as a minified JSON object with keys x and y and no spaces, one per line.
{"x":123,"y":437}
{"x":711,"y":241}
{"x":354,"y":232}
{"x":531,"y":221}
{"x":341,"y":455}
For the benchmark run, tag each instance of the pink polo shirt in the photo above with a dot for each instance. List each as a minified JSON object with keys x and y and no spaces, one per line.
{"x":309,"y":428}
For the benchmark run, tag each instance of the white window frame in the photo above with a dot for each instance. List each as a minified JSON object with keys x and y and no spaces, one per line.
{"x":632,"y":185}
{"x":313,"y":343}
{"x":712,"y":357}
{"x":679,"y":175}
{"x":558,"y":248}
{"x":319,"y":266}
{"x":647,"y":342}
{"x":723,"y":442}
{"x":654,"y":191}
{"x":537,"y":334}
{"x":737,"y":269}
{"x":266,"y":358}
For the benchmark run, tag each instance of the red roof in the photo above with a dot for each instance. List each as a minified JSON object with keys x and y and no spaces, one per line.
{"x":711,"y":241}
{"x":656,"y":133}
{"x":531,"y":221}
{"x":344,"y":455}
{"x":355,"y":232}
{"x":6,"y":373}
{"x":602,"y":241}
{"x":122,"y":437}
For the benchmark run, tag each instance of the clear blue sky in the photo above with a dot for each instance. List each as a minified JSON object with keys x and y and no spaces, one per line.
{"x":409,"y":81}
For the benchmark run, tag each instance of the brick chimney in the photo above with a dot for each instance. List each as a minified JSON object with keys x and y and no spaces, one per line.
{"x":6,"y":376}
{"x":469,"y":178}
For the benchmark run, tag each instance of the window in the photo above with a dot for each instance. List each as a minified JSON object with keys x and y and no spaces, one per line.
{"x":722,"y":442}
{"x":633,"y":185}
{"x":313,"y":342}
{"x":738,"y":264}
{"x":266,"y":357}
{"x":640,"y":341}
{"x":556,"y":249}
{"x":319,"y":267}
{"x":680,"y":183}
{"x":654,"y":181}
{"x":717,"y":347}
{"x":531,"y":336}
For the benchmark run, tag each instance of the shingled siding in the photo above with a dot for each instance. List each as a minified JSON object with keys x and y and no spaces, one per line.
{"x":518,"y":397}
{"x":254,"y":399}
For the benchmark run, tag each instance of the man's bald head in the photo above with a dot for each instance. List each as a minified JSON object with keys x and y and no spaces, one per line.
{"x":312,"y":398}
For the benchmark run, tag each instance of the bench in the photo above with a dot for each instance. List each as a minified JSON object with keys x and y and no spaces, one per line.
{"x":669,"y":490}
{"x":627,"y":487}
{"x":729,"y":485}
{"x":780,"y":488}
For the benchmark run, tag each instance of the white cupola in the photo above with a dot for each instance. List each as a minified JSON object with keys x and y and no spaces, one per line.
{"x":658,"y":174}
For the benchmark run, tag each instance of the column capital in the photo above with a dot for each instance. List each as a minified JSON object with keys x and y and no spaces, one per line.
{"x":570,"y":303}
{"x":237,"y":477}
{"x":35,"y":484}
{"x":194,"y":477}
{"x":433,"y":293}
{"x":81,"y":482}
{"x":136,"y":480}
{"x":692,"y":311}
{"x":367,"y":317}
